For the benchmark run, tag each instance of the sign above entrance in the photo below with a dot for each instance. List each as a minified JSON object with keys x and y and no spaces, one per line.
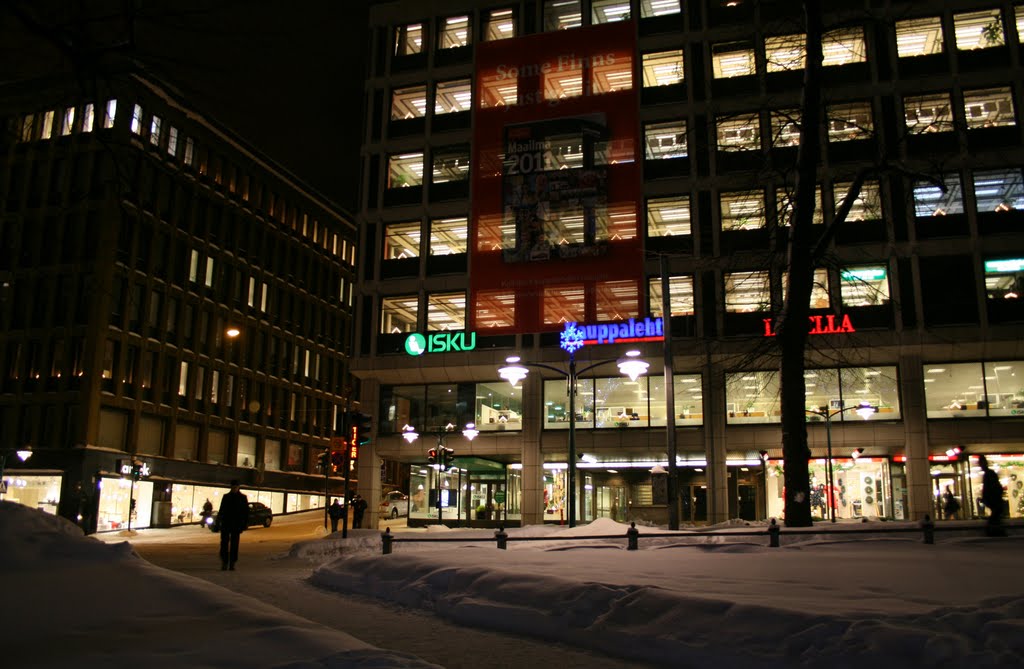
{"x":575,"y":336}
{"x":134,"y":468}
{"x":820,"y":324}
{"x":439,"y":342}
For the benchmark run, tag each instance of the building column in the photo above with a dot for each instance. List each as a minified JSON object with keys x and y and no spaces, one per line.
{"x":532,"y":502}
{"x":714,"y":444}
{"x":368,"y":463}
{"x":914,"y":412}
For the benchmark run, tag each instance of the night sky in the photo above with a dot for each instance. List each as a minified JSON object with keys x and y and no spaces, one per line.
{"x":286,"y":76}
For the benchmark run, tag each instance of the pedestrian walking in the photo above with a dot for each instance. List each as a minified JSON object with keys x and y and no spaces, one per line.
{"x":950,"y":504}
{"x":992,"y":497}
{"x":335,"y":512}
{"x":233,"y":519}
{"x":358,"y":509}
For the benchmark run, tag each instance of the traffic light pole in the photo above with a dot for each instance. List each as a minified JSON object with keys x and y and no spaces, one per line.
{"x":325,"y":461}
{"x":440,"y":462}
{"x":348,"y":471}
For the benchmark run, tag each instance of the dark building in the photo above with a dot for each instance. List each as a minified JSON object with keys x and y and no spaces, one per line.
{"x":530,"y":165}
{"x":175,"y":308}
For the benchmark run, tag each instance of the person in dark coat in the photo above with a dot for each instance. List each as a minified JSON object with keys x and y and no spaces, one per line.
{"x":335,"y":511}
{"x":233,"y":519}
{"x":358,"y":509}
{"x":992,"y":497}
{"x":950,"y":504}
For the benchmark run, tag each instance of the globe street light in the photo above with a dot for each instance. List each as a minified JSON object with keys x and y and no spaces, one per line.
{"x":865,"y":411}
{"x":23,"y":454}
{"x":515,"y":371}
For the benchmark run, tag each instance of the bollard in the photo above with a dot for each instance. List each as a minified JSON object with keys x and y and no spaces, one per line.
{"x":773,"y":534}
{"x":929,"y":529}
{"x":386,"y":540}
{"x":632,"y":535}
{"x":502,"y":538}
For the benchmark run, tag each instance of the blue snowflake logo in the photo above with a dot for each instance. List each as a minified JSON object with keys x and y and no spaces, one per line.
{"x":572,"y":338}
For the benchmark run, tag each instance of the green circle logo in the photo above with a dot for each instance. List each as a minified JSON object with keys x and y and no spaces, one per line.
{"x":415,"y":344}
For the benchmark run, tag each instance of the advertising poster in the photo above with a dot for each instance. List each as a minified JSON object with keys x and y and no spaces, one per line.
{"x":556,"y":182}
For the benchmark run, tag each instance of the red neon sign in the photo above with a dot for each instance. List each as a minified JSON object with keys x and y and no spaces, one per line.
{"x":820,"y":324}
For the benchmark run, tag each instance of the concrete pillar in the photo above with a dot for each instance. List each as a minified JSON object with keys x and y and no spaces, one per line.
{"x":714,"y":444}
{"x":532,"y":503}
{"x":914,"y":413}
{"x":368,"y":467}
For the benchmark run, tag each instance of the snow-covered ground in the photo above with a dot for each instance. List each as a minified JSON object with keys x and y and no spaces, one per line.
{"x":886,"y":600}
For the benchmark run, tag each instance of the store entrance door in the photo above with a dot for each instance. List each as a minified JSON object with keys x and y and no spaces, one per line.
{"x":486,"y":502}
{"x":746,"y":496}
{"x":953,"y":481}
{"x":694,"y":499}
{"x":611,"y":502}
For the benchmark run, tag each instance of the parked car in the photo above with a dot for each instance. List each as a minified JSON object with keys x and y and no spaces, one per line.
{"x":394,"y":504}
{"x":259,"y":514}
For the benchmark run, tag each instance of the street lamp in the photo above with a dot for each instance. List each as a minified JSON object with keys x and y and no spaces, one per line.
{"x":410,"y":435}
{"x":515,"y":371}
{"x":23,"y":453}
{"x":865,"y":411}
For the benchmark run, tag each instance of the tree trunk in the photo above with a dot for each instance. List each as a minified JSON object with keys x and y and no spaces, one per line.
{"x":792,"y":331}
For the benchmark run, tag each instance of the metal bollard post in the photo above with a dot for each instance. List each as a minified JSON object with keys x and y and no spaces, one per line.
{"x":502,"y":538}
{"x":928,"y":525}
{"x":386,"y":540}
{"x":773,"y":534}
{"x":632,"y":536}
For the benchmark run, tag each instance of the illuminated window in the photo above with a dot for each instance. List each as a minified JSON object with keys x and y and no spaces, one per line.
{"x":609,"y":11}
{"x":155,"y":128}
{"x":617,"y":300}
{"x":819,"y":289}
{"x":448,"y":236}
{"x":840,"y":47}
{"x":402,"y":240}
{"x":190,"y":148}
{"x":1004,"y":279}
{"x":136,"y":125}
{"x":67,"y":121}
{"x":172,"y":141}
{"x":500,"y":24}
{"x":668,"y":216}
{"x":110,"y":114}
{"x":784,"y":205}
{"x":454,"y":33}
{"x":919,"y":37}
{"x":665,"y":140}
{"x":453,"y":96}
{"x":785,"y":127}
{"x":408,"y":102}
{"x":739,"y":133}
{"x":183,"y":378}
{"x":494,"y":309}
{"x":928,"y":113}
{"x":978,"y":30}
{"x":680,"y":296}
{"x":989,"y":108}
{"x":649,"y":8}
{"x":611,"y":72}
{"x":562,"y":15}
{"x":850,"y":121}
{"x":615,"y":222}
{"x":747,"y":292}
{"x":446,"y":311}
{"x":563,"y":152}
{"x":864,"y":286}
{"x":499,"y":88}
{"x":733,"y":59}
{"x":398,"y":315}
{"x":563,"y":304}
{"x":88,"y":117}
{"x":450,"y":164}
{"x":752,"y":397}
{"x":1018,"y":15}
{"x":409,"y":39}
{"x":405,"y":170}
{"x":663,"y":68}
{"x":785,"y":53}
{"x":930,"y":200}
{"x":868,"y":204}
{"x":46,"y":132}
{"x":563,"y":82}
{"x":742,"y":210}
{"x":999,"y":190}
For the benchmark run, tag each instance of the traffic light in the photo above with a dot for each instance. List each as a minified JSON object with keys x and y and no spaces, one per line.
{"x":449,"y":458}
{"x":361,"y":424}
{"x":324,"y":461}
{"x":432,"y":456}
{"x":337,"y":460}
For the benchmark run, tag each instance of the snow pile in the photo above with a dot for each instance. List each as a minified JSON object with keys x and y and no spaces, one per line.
{"x":882,"y":601}
{"x":71,"y":600}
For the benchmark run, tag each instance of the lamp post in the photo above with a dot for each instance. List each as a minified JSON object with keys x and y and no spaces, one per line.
{"x":764,"y":476}
{"x":865,"y":411}
{"x":515,"y":371}
{"x":23,"y":454}
{"x":469,"y":432}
